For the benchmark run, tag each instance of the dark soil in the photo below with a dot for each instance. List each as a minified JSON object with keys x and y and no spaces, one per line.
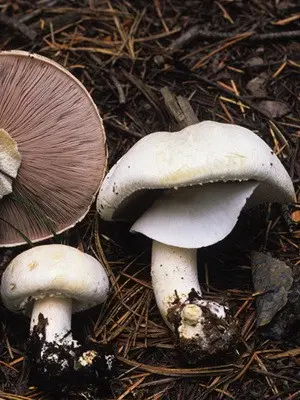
{"x":59,"y":367}
{"x":235,"y":61}
{"x":219,"y":335}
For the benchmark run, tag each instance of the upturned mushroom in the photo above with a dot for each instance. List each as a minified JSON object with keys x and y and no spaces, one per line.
{"x":52,"y":148}
{"x":49,"y":283}
{"x":185,"y":190}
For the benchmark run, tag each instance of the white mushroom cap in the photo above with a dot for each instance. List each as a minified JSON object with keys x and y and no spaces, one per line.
{"x":201,"y":153}
{"x":53,"y":270}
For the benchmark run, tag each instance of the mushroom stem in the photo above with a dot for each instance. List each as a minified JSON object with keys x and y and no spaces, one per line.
{"x":174,"y":275}
{"x":10,"y":160}
{"x":56,"y":312}
{"x":203,"y":323}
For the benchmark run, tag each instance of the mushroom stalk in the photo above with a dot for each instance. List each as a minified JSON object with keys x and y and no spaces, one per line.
{"x":57,"y":311}
{"x":204,"y":323}
{"x":10,"y":160}
{"x":174,"y":275}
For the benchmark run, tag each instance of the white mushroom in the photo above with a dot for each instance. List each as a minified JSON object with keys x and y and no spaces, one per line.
{"x":201,"y":178}
{"x":49,"y":283}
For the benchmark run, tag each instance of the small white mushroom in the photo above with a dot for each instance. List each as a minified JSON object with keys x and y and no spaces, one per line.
{"x":185,"y":190}
{"x":49,"y":283}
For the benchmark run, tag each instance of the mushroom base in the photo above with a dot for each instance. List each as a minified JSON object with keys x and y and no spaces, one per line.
{"x":210,"y":336}
{"x":58,"y":365}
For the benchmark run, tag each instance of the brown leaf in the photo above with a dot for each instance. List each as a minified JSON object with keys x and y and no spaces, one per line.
{"x":296,"y":216}
{"x":257,"y":85}
{"x":275,"y":109}
{"x":254,"y":62}
{"x":273,"y":278}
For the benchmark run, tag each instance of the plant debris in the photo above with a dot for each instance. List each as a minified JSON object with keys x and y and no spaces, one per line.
{"x":285,"y":324}
{"x":275,"y":109}
{"x":257,"y":85}
{"x":272,"y":280}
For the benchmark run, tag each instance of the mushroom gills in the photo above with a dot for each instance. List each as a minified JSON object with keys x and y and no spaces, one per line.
{"x":196,"y":216}
{"x":10,"y":161}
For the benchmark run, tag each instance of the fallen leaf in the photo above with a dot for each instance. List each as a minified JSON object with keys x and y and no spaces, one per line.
{"x":273,"y":278}
{"x":296,"y":216}
{"x":275,"y":109}
{"x":257,"y":85}
{"x":285,"y":5}
{"x":284,"y":324}
{"x":254,"y":62}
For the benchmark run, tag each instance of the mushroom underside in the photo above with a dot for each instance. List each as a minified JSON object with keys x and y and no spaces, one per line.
{"x":60,"y":137}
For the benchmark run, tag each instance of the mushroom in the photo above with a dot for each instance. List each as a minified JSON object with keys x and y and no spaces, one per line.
{"x":50,"y":124}
{"x":185,"y":190}
{"x":49,"y":283}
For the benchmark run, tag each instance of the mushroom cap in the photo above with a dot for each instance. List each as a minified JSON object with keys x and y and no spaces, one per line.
{"x":61,"y":139}
{"x":202,"y":153}
{"x":53,"y":270}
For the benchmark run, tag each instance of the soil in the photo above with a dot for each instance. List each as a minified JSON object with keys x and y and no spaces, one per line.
{"x":61,"y":367}
{"x":219,"y":334}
